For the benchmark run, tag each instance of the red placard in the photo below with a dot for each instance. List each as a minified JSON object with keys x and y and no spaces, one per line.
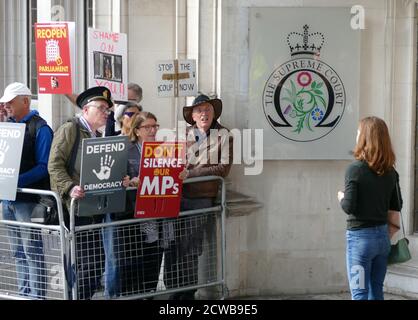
{"x":159,"y":191}
{"x":53,"y":57}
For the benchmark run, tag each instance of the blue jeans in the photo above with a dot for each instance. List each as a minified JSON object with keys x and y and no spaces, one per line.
{"x":367,"y":254}
{"x":27,"y":248}
{"x":112,"y":273}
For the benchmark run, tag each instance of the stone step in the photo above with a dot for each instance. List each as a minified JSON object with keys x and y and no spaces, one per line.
{"x":236,"y":209}
{"x":403,"y":279}
{"x":233,"y":197}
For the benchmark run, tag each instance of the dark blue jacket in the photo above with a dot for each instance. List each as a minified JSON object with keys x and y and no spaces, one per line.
{"x":39,"y":171}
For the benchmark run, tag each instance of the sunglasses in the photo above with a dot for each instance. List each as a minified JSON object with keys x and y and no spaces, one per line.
{"x":130,"y":114}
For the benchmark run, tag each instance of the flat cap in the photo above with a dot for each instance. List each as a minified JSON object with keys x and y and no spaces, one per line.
{"x":94,"y":94}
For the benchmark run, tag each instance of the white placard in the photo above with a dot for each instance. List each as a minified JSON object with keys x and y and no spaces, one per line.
{"x":11,"y":144}
{"x":304,"y":78}
{"x":176,"y":78}
{"x":108,"y":62}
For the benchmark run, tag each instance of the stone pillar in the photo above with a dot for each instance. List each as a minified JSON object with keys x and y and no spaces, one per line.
{"x":13,"y":37}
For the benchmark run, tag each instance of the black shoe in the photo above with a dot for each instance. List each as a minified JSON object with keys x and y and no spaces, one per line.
{"x":175,"y":296}
{"x":188,"y":295}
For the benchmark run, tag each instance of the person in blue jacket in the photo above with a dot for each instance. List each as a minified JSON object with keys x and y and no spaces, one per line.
{"x":26,"y":244}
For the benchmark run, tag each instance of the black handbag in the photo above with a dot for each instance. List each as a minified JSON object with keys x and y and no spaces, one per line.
{"x":399,"y":252}
{"x":45,"y":211}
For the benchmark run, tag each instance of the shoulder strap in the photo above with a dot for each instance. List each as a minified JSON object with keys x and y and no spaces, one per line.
{"x":33,"y":124}
{"x":398,"y":194}
{"x":74,"y":149}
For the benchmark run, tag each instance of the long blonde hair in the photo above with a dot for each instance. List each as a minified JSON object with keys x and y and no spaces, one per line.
{"x":136,"y":122}
{"x":374,"y":145}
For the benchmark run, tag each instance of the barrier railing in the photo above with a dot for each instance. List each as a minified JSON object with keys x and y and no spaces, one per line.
{"x":149,"y":267}
{"x":33,"y":256}
{"x":144,"y":257}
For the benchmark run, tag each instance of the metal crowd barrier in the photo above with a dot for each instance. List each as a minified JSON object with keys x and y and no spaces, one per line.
{"x":150,"y":268}
{"x":47,"y":252}
{"x":72,"y":261}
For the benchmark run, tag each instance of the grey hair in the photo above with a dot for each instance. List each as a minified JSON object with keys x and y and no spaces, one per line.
{"x":120,"y":110}
{"x":137,"y":89}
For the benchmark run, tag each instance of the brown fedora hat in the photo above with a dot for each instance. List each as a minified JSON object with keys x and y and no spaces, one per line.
{"x":201,"y":99}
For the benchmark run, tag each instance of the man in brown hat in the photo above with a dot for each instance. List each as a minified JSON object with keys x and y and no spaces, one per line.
{"x":64,"y":170}
{"x":209,"y":153}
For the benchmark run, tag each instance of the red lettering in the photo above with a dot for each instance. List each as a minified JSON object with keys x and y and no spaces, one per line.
{"x":105,"y":47}
{"x":116,"y":88}
{"x":114,"y":37}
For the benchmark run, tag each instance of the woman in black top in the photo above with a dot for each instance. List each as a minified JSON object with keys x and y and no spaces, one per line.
{"x":370,"y":192}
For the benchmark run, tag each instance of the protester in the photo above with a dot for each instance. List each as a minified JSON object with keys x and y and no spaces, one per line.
{"x":26,"y":243}
{"x":369,"y":193}
{"x":3,"y":113}
{"x":206,"y":139}
{"x":134,"y":98}
{"x":141,"y":249}
{"x":135,"y":94}
{"x":111,"y":240}
{"x":64,"y":168}
{"x":123,"y":115}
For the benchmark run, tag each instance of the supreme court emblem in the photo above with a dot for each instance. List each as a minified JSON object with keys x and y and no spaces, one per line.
{"x":304,"y":98}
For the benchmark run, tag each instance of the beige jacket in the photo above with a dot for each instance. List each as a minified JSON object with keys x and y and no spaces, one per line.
{"x":213,"y":157}
{"x":59,"y":157}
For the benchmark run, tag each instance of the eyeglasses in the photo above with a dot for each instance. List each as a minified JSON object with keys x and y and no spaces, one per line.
{"x":200,"y":110}
{"x":101,"y":108}
{"x":130,"y":114}
{"x":149,"y":127}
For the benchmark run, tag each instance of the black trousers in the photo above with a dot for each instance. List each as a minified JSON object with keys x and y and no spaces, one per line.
{"x":90,"y":263}
{"x":90,"y":258}
{"x":181,"y":258}
{"x":139,"y":263}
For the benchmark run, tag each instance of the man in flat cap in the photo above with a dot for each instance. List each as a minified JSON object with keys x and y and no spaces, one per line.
{"x":64,"y":169}
{"x":209,"y":153}
{"x":26,"y":246}
{"x":134,"y":99}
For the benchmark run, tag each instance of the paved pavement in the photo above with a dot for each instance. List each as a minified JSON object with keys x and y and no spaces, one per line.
{"x":329,"y":296}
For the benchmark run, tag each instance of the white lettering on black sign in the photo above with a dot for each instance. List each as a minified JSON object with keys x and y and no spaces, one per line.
{"x":111,"y":147}
{"x":103,"y":185}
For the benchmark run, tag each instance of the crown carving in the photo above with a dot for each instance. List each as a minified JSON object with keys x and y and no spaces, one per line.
{"x":305,"y":43}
